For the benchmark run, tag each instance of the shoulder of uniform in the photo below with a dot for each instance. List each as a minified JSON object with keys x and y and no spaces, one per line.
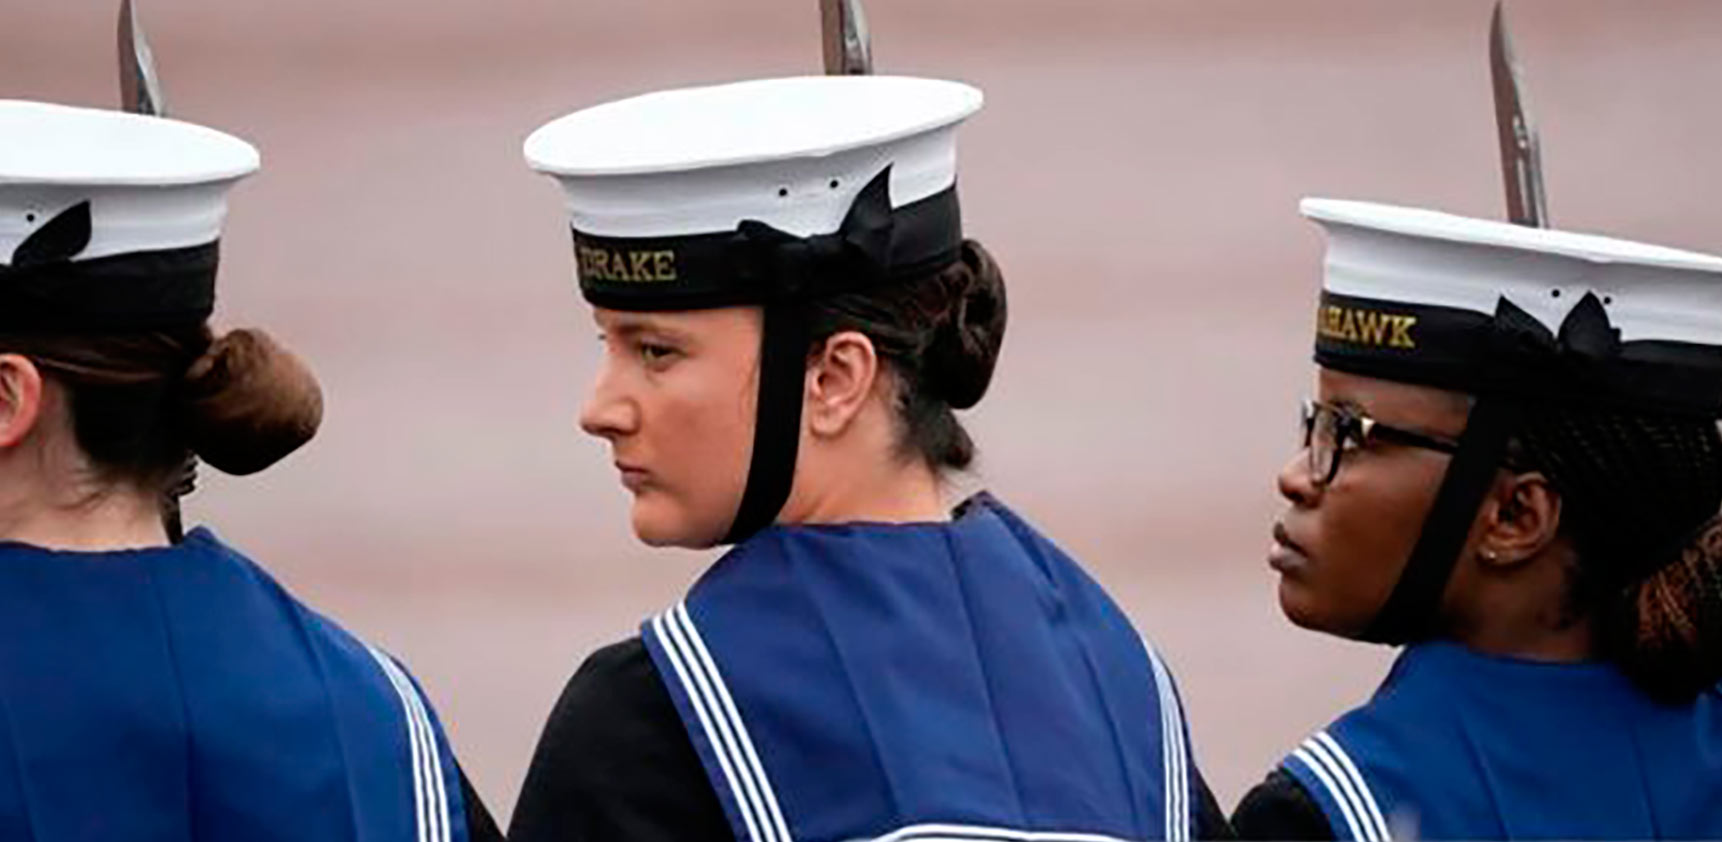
{"x":613,"y":736}
{"x":1280,"y":808}
{"x":613,"y":668}
{"x":614,"y":696}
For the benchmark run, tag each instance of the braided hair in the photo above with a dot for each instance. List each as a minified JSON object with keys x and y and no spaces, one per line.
{"x":1640,"y":496}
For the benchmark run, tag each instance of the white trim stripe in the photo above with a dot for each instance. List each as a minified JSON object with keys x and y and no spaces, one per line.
{"x":1374,"y":809}
{"x":740,"y":726}
{"x":421,"y":809}
{"x":1346,"y":786}
{"x":430,"y":799}
{"x":976,"y":833}
{"x":1333,"y":792}
{"x":728,"y":740}
{"x":1175,"y":754}
{"x":439,"y":818}
{"x":697,"y":700}
{"x":725,"y":730}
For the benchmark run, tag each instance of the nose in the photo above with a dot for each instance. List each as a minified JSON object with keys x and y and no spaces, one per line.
{"x":609,"y":412}
{"x":1295,"y":482}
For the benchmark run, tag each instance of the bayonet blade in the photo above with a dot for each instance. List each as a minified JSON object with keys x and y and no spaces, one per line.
{"x":140,"y":90}
{"x":1521,"y":152}
{"x":848,"y":45}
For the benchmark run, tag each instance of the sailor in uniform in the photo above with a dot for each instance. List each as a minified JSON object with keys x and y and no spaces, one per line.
{"x":153,"y":689}
{"x":1512,"y":469}
{"x":790,"y":316}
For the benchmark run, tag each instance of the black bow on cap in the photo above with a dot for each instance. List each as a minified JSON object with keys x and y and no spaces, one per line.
{"x":1575,"y":362}
{"x":58,"y":240}
{"x":856,"y":255}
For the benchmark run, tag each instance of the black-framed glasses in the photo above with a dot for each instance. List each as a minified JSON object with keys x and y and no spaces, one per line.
{"x":1329,"y":431}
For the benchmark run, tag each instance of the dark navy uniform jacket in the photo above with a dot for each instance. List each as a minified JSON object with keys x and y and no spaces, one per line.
{"x":961,"y":680}
{"x":175,"y":694}
{"x":1462,"y":745}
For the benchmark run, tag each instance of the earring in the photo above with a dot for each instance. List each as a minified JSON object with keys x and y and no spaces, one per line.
{"x":1489,"y":556}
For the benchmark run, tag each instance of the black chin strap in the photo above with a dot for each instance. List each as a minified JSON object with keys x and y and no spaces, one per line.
{"x":777,"y":419}
{"x":792,"y":270}
{"x":1411,"y":611}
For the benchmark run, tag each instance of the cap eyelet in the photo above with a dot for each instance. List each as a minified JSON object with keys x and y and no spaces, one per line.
{"x":1607,"y":300}
{"x":30,"y":217}
{"x":1554,"y":293}
{"x":834,"y":184}
{"x":783,"y":192}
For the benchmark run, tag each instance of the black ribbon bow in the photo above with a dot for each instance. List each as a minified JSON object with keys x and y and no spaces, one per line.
{"x":855,"y":256}
{"x":1528,"y":356}
{"x":58,"y":240}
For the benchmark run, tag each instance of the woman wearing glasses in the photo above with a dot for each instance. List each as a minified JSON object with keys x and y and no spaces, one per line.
{"x":1512,"y":468}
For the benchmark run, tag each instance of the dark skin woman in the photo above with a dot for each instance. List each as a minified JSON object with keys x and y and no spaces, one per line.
{"x":1509,"y":594}
{"x":1566,"y":675}
{"x":1522,"y":587}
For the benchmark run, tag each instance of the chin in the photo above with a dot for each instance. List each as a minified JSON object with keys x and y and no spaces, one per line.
{"x":1300,"y":607}
{"x":659,"y":523}
{"x":1306,"y":609}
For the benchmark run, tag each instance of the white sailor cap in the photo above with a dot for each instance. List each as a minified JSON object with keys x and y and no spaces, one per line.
{"x":110,"y":220}
{"x":1484,"y":306}
{"x":701,"y":197}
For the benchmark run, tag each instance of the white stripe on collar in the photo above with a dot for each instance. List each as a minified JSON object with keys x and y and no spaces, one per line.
{"x":1374,"y":810}
{"x":975,"y":833}
{"x":1174,"y":750}
{"x":1346,"y":786}
{"x":725,"y":731}
{"x":1334,"y":792}
{"x":430,"y":798}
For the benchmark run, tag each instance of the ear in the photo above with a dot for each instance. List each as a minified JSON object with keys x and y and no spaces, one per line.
{"x":20,"y":398}
{"x":840,"y":379}
{"x":1519,"y":519}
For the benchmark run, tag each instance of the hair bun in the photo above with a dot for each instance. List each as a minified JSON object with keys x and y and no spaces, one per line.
{"x":1672,"y":633}
{"x":248,"y":402}
{"x":964,"y":350}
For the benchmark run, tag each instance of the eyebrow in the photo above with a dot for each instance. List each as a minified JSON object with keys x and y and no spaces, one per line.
{"x":631,"y":325}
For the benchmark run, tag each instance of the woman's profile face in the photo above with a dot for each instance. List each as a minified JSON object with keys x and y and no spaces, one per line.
{"x":1340,"y":546}
{"x":675,"y":397}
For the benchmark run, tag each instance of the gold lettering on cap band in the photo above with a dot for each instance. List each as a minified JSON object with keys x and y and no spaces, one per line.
{"x":626,"y":266}
{"x":1365,"y":327}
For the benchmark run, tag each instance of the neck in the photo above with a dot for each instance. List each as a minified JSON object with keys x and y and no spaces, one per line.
{"x":1570,"y":645}
{"x":114,"y":519}
{"x":1525,"y":614}
{"x":882,"y":491}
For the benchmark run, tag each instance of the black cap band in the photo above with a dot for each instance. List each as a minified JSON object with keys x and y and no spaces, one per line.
{"x":1509,"y":352}
{"x":752,"y":264}
{"x":148,"y":290}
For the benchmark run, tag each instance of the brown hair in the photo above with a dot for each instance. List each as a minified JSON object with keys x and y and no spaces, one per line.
{"x":1640,"y":496}
{"x":143,"y":403}
{"x":940,"y":335}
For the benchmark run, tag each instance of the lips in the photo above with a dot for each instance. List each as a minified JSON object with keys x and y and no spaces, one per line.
{"x":633,"y":476}
{"x":1285,"y":555}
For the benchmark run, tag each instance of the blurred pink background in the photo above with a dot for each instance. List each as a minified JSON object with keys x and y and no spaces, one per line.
{"x":1136,"y":169}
